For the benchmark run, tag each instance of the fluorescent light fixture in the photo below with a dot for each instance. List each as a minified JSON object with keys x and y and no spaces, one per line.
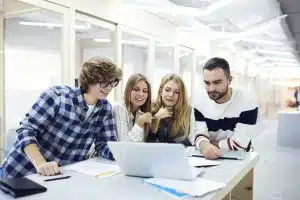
{"x":258,"y":41}
{"x":257,"y":29}
{"x":274,"y":59}
{"x":216,"y":6}
{"x":274,"y":52}
{"x":50,"y":25}
{"x":181,"y":10}
{"x":286,"y":60}
{"x":135,"y":42}
{"x":45,"y":24}
{"x":81,"y":27}
{"x":130,"y":42}
{"x":102,"y":40}
{"x":286,"y":83}
{"x":202,"y":62}
{"x":285,"y":64}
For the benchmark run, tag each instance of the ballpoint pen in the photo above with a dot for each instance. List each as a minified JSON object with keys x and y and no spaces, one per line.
{"x":221,"y":157}
{"x":57,"y":178}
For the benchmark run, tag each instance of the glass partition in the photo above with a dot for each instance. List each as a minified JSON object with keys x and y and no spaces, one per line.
{"x":135,"y":55}
{"x":32,"y":54}
{"x":93,"y":38}
{"x":185,"y":68}
{"x":199,"y":88}
{"x":163,"y":64}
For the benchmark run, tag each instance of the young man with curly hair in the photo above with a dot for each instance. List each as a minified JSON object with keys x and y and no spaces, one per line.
{"x":64,"y":122}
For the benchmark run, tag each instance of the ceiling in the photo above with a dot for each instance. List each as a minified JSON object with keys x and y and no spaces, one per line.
{"x":255,"y":30}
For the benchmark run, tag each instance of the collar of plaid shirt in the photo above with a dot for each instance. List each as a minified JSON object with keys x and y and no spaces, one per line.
{"x":79,"y":100}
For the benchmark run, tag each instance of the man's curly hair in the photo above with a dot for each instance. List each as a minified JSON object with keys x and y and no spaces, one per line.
{"x":98,"y":70}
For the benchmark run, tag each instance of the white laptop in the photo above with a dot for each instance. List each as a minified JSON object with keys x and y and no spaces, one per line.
{"x":160,"y":160}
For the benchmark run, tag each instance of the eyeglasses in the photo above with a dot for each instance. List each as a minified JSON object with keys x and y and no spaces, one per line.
{"x":113,"y":83}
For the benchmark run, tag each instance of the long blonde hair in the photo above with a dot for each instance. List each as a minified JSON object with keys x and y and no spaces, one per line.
{"x":181,"y":111}
{"x":132,"y":81}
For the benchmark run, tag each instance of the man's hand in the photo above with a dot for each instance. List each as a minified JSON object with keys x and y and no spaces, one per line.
{"x":210,"y":151}
{"x":49,"y":169}
{"x":215,"y":143}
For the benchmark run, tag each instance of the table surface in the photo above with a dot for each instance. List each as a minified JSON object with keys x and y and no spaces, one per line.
{"x":85,"y":187}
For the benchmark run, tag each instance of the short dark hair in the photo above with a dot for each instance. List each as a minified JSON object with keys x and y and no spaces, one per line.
{"x":217,"y":62}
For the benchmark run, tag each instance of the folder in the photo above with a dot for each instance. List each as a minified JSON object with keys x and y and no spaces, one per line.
{"x":19,"y":187}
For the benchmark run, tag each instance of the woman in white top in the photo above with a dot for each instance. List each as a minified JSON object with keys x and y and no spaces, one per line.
{"x":134,"y":115}
{"x":174,"y":120}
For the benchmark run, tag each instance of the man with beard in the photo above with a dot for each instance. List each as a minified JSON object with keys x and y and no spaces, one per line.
{"x":226,"y":116}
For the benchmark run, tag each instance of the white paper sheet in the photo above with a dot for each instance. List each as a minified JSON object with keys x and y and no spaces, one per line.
{"x":94,"y":168}
{"x":196,"y":161}
{"x":197,"y":187}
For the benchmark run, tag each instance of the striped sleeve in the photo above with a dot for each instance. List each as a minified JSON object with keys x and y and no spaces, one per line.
{"x":124,"y":131}
{"x":200,"y":128}
{"x":242,"y":134}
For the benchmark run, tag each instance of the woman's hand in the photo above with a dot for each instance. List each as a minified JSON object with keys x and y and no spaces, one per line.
{"x":144,"y":118}
{"x":163,"y":113}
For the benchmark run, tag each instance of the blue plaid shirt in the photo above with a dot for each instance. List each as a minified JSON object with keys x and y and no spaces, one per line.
{"x":57,"y":124}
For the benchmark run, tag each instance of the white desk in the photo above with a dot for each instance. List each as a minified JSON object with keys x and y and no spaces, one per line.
{"x":84,"y":187}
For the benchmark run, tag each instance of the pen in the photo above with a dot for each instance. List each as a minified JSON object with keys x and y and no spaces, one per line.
{"x":58,"y":178}
{"x":205,"y":166}
{"x":221,"y":157}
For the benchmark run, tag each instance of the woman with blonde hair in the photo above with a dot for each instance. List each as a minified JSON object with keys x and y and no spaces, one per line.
{"x":174,"y":118}
{"x":133,"y":116}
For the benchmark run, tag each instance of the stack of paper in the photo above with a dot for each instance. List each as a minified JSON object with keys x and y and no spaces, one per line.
{"x":198,"y":187}
{"x":94,"y":168}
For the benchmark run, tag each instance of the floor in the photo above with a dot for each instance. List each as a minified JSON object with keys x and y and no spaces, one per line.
{"x":277,"y":174}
